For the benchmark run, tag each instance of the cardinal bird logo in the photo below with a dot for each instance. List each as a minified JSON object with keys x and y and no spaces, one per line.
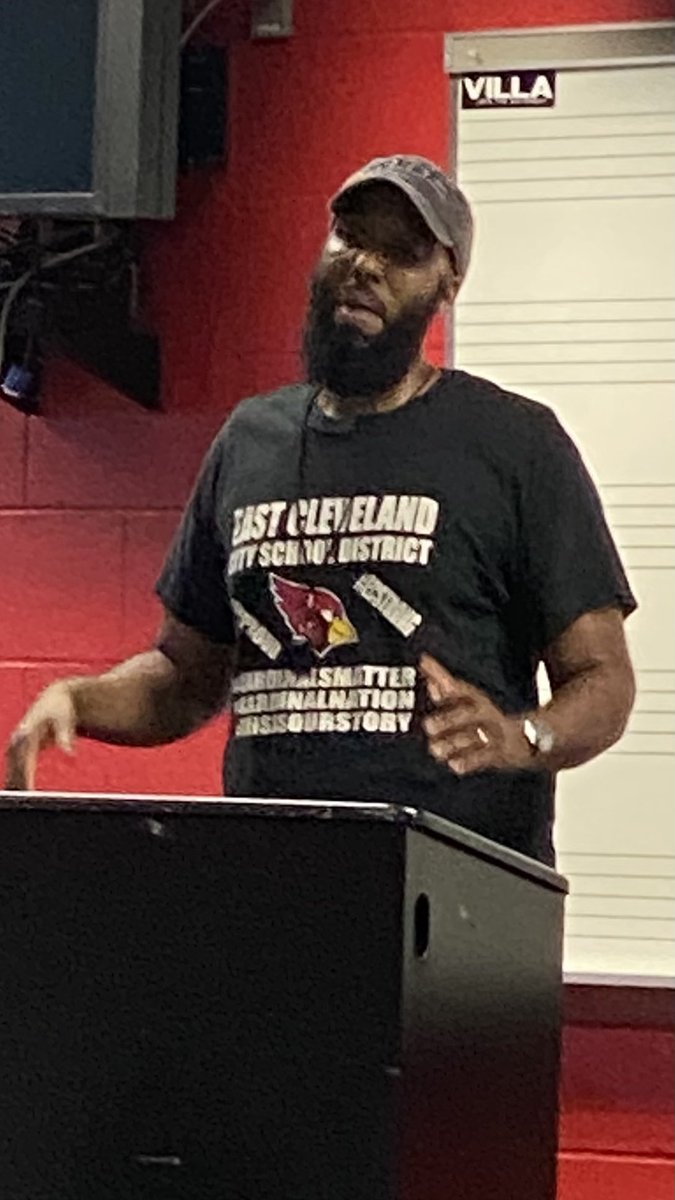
{"x":313,"y":615}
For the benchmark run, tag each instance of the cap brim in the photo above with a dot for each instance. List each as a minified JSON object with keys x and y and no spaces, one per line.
{"x":420,"y":202}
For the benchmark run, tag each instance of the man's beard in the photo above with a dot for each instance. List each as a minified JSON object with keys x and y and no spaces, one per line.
{"x":352,"y":365}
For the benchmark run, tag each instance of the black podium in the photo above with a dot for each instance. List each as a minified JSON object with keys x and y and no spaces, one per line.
{"x":215,"y":1000}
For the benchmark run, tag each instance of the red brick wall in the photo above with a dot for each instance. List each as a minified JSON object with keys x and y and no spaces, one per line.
{"x":617,"y":1114}
{"x":91,"y":489}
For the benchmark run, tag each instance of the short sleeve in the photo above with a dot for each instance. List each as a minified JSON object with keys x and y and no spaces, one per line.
{"x":193,"y":581}
{"x":569,"y":563}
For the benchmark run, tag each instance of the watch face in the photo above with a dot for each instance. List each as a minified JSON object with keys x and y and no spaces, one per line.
{"x":545,"y":739}
{"x":538,"y":735}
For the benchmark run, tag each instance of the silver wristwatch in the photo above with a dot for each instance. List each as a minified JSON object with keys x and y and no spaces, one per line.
{"x":540,"y":735}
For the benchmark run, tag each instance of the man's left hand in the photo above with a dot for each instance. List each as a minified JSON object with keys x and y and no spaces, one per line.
{"x":467,"y":731}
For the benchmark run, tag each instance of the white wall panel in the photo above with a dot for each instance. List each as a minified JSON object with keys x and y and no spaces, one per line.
{"x":571,"y":300}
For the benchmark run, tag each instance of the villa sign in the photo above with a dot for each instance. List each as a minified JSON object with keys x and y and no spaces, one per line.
{"x":509,"y":89}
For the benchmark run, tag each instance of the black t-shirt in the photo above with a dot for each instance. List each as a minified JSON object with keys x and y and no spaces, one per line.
{"x":330,"y":551}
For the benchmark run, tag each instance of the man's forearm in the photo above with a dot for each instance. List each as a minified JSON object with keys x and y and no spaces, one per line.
{"x":593,"y":693}
{"x":587,"y":715}
{"x":141,"y":702}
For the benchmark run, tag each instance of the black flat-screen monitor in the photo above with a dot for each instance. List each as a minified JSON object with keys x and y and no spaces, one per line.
{"x":89,"y":107}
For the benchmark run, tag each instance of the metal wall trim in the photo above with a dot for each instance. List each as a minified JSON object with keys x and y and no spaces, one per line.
{"x":569,"y":48}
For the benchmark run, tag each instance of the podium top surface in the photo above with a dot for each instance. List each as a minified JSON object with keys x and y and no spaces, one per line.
{"x":316,"y":810}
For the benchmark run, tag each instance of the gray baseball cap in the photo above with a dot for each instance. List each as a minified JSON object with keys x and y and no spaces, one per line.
{"x":439,"y":201}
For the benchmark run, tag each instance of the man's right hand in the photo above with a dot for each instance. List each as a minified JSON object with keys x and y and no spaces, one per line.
{"x":151,"y":699}
{"x":50,"y":721}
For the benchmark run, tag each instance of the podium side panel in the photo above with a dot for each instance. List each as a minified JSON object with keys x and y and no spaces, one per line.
{"x":478,"y":1102}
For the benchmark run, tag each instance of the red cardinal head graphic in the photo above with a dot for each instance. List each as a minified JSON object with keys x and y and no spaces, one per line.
{"x":313,"y":615}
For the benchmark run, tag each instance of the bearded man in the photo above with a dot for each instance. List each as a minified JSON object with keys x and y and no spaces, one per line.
{"x":375,"y":562}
